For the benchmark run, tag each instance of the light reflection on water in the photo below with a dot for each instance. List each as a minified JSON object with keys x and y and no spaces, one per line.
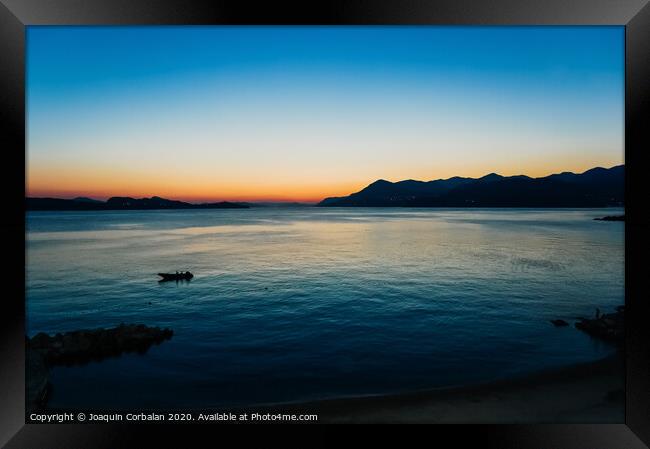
{"x":302,"y":303}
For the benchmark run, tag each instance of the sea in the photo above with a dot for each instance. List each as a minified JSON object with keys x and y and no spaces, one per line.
{"x":292,"y":304}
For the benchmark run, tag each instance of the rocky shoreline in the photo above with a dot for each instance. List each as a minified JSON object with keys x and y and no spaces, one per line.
{"x":44,"y":351}
{"x":78,"y":347}
{"x":609,"y":327}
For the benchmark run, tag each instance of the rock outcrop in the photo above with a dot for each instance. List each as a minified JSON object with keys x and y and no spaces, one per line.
{"x":609,"y":327}
{"x":77,"y":347}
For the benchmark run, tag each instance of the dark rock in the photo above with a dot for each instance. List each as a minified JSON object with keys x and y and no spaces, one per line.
{"x":609,"y":327}
{"x":40,"y":340}
{"x":83,"y":346}
{"x":559,"y":323}
{"x":86,"y":345}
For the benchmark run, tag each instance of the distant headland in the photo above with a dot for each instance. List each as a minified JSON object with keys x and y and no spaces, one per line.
{"x":598,"y":187}
{"x":123,"y":203}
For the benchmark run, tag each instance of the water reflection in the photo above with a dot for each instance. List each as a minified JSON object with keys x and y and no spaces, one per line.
{"x":175,"y":281}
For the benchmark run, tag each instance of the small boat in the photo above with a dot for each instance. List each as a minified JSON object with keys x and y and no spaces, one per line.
{"x":178,"y":276}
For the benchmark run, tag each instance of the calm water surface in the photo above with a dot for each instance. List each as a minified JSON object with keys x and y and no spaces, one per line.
{"x":293,"y":304}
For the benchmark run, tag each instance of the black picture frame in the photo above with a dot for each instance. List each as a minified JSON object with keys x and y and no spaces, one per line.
{"x":15,"y":15}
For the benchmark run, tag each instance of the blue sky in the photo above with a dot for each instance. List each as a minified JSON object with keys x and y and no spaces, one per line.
{"x":308,"y":112}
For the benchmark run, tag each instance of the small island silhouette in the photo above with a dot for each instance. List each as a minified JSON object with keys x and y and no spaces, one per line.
{"x":123,"y":203}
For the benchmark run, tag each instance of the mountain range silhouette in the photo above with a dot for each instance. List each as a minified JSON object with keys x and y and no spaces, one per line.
{"x":598,"y":187}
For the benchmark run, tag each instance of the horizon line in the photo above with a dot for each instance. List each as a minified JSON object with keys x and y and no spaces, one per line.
{"x":202,"y":200}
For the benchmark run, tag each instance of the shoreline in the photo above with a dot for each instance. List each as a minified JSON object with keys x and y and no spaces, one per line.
{"x":586,"y":392}
{"x":589,"y":392}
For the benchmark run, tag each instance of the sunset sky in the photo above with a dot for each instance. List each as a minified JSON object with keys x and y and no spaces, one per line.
{"x":303,"y":113}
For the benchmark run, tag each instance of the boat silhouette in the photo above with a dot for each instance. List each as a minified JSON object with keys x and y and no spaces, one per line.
{"x":178,"y":276}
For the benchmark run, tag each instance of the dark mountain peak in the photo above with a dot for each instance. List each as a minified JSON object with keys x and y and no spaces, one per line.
{"x":381,"y":182}
{"x":380,"y":185}
{"x":490,"y":177}
{"x":565,"y":176}
{"x":595,"y":170}
{"x":409,"y":183}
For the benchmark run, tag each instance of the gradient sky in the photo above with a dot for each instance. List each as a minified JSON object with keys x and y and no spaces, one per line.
{"x":302,"y":113}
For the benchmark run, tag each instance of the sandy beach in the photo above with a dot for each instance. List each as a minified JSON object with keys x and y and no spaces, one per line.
{"x":585,"y":393}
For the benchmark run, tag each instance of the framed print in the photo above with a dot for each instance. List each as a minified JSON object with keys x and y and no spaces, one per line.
{"x":347,"y":213}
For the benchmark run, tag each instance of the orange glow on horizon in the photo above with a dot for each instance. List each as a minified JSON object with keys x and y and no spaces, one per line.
{"x":67,"y":182}
{"x":61,"y":184}
{"x":193,"y":196}
{"x":205,"y":198}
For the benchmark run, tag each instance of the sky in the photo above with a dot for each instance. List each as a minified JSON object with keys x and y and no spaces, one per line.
{"x":271,"y":113}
